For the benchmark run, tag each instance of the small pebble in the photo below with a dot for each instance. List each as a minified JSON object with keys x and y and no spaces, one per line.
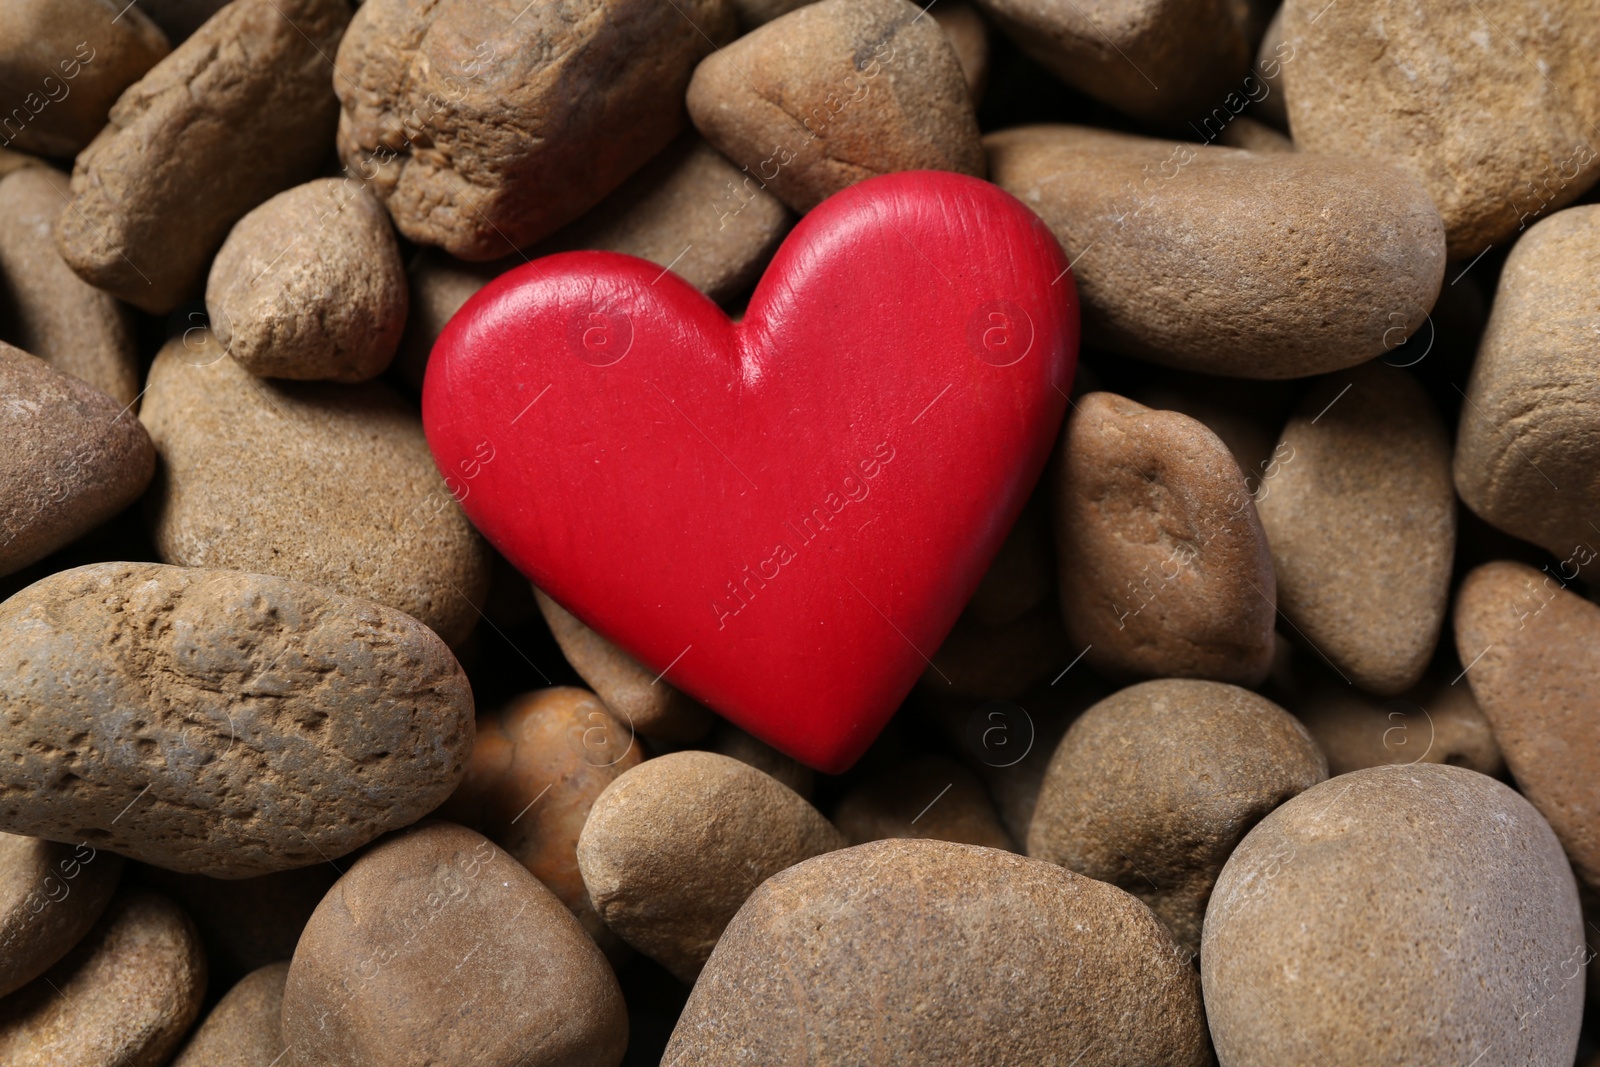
{"x":244,"y":1029}
{"x":1421,"y":915}
{"x":1534,"y":650}
{"x":1164,"y":566}
{"x":123,"y":998}
{"x":673,"y":847}
{"x":209,"y":721}
{"x":310,"y":285}
{"x":932,"y":952}
{"x":1152,"y":789}
{"x":1436,"y":722}
{"x":437,"y":948}
{"x":1277,"y":265}
{"x":1362,"y":522}
{"x":834,"y":93}
{"x":927,"y":796}
{"x":50,"y":895}
{"x":238,"y":112}
{"x":71,"y":457}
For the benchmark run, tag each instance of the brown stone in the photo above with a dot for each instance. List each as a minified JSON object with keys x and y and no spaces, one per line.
{"x":1254,"y":136}
{"x":1528,"y":446}
{"x":436,"y":947}
{"x":1533,"y":654}
{"x":729,"y":740}
{"x":1493,"y":108}
{"x":834,"y":93}
{"x":310,"y":285}
{"x":485,"y":127}
{"x":1164,"y":566}
{"x":1154,"y":59}
{"x":1272,"y":54}
{"x":63,"y":63}
{"x":238,"y":112}
{"x":932,"y":952}
{"x":927,"y":796}
{"x":123,"y":998}
{"x":1152,"y":789}
{"x":71,"y":457}
{"x":673,"y":847}
{"x":244,"y":1029}
{"x":1421,"y":915}
{"x":1436,"y":722}
{"x":221,"y":723}
{"x":320,"y":483}
{"x":969,"y":36}
{"x":50,"y":895}
{"x":1362,"y":522}
{"x":48,"y":310}
{"x":537,"y":766}
{"x":641,"y":700}
{"x":1277,"y":265}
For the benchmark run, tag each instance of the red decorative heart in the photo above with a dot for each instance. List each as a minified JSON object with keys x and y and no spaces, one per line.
{"x":785,"y":515}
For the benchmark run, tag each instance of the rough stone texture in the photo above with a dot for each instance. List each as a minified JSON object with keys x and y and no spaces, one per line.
{"x":969,"y":36}
{"x":927,"y":796}
{"x":999,"y":661}
{"x":633,"y":694}
{"x":1022,"y":573}
{"x":243,"y":1030}
{"x":1491,"y":106}
{"x":487,"y":126}
{"x":70,"y":458}
{"x":1436,"y":722}
{"x":247,"y":923}
{"x":537,"y":766}
{"x":238,"y":112}
{"x":729,"y":740}
{"x":672,"y":849}
{"x":310,"y":285}
{"x":1418,"y":915}
{"x":1534,"y":647}
{"x":1154,"y":59}
{"x":1528,"y":446}
{"x":1164,"y":568}
{"x":50,"y":895}
{"x":1277,"y":265}
{"x":438,"y":948}
{"x":1362,"y":522}
{"x":932,"y":952}
{"x":1153,"y":787}
{"x":63,"y":63}
{"x":327,"y":484}
{"x":123,"y":998}
{"x":46,"y":309}
{"x":221,"y":723}
{"x":837,"y":92}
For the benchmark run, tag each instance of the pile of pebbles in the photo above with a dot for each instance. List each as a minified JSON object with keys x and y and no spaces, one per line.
{"x":1270,"y":736}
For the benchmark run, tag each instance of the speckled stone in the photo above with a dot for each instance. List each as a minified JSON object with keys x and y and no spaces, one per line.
{"x":673,"y":847}
{"x":837,"y":92}
{"x":244,"y":1029}
{"x":221,"y":723}
{"x":1153,"y":787}
{"x":320,"y":483}
{"x":1421,"y":915}
{"x":46,"y":309}
{"x":1492,"y":107}
{"x":1362,"y":522}
{"x":1534,"y":650}
{"x":927,"y":796}
{"x":640,"y":699}
{"x":969,"y":36}
{"x":1527,"y":454}
{"x":1436,"y":722}
{"x":71,"y":457}
{"x":50,"y":895}
{"x":437,"y":948}
{"x":537,"y":766}
{"x":1164,"y":568}
{"x":123,"y":998}
{"x":1276,"y":265}
{"x":932,"y":952}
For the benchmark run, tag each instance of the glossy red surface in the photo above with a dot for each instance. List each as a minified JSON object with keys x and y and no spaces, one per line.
{"x":784,"y":515}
